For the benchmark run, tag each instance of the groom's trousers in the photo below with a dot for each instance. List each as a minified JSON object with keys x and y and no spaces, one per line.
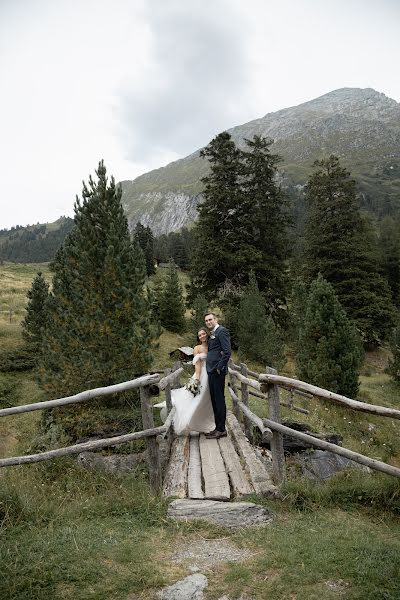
{"x":217,"y":392}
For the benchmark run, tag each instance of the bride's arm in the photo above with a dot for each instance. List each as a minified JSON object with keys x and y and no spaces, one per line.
{"x":198,"y":365}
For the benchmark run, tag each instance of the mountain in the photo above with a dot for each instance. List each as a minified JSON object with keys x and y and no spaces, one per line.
{"x":361,"y":126}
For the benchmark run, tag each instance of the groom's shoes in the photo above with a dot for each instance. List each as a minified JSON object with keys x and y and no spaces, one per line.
{"x":215,"y":435}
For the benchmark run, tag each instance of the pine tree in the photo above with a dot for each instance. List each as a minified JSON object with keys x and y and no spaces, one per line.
{"x":216,"y":228}
{"x":199,"y":309}
{"x":258,"y":337}
{"x":329,"y":351}
{"x":36,"y":315}
{"x":389,"y":245}
{"x":145,"y":239}
{"x":153,"y":303}
{"x":98,"y":331}
{"x":265,"y":208}
{"x":172,"y":306}
{"x":242,"y":222}
{"x":340,"y":245}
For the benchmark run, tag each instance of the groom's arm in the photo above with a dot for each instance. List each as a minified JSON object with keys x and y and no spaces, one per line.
{"x":225,"y":341}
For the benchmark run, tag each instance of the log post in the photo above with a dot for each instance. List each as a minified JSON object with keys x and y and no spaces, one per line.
{"x":248,"y":428}
{"x":177,"y":383}
{"x":153,"y":450}
{"x":168,"y":400}
{"x":278,"y":457}
{"x":232,"y":384}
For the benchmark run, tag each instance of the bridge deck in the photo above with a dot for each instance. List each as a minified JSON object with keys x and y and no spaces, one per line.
{"x":222,"y":469}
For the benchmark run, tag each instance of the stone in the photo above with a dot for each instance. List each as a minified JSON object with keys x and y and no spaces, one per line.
{"x":113,"y":463}
{"x":227,"y":514}
{"x":190,"y":588}
{"x":293,"y":445}
{"x":209,"y":553}
{"x":322,"y":464}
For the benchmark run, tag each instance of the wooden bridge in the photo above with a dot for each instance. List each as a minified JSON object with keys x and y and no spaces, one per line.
{"x":202,"y":468}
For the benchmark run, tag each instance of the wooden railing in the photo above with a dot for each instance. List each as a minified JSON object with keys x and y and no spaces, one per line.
{"x":266,"y":386}
{"x":149,"y":385}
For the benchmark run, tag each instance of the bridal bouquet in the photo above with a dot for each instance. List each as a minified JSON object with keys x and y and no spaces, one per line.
{"x":193,"y":386}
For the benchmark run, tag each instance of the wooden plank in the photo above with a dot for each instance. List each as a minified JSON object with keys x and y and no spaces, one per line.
{"x":195,"y":490}
{"x":257,"y":472}
{"x":239,"y":482}
{"x":295,"y":384}
{"x":216,"y":483}
{"x":153,"y":449}
{"x":175,"y":481}
{"x":82,"y":396}
{"x":360,"y":458}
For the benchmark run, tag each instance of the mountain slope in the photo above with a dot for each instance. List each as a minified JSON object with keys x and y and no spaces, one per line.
{"x":361,"y":126}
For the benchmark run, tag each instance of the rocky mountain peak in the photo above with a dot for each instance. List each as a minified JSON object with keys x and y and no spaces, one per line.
{"x":360,"y":125}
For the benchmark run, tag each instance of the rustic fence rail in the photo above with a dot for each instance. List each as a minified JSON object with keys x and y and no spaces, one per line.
{"x":149,"y":385}
{"x":267,"y":388}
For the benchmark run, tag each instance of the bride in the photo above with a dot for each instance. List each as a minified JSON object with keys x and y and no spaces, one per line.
{"x":195,"y":413}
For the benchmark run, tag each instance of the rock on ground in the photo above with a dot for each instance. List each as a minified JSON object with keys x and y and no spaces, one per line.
{"x":113,"y":463}
{"x":322,"y":464}
{"x":208,"y":553}
{"x":190,"y":588}
{"x":227,"y":514}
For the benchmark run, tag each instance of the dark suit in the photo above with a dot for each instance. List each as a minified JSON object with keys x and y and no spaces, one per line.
{"x":219,"y":352}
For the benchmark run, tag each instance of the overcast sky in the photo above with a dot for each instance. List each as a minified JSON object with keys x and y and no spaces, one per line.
{"x":143,"y":82}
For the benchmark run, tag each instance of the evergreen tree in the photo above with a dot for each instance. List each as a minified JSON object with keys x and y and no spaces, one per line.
{"x":153,"y":303}
{"x":172,"y":306}
{"x":389,"y":244}
{"x":242,"y":222}
{"x":394,"y":363}
{"x":98,"y":332}
{"x":329,"y":351}
{"x":36,"y":315}
{"x":216,"y":229}
{"x":145,"y":239}
{"x":258,"y":337}
{"x":340,"y":245}
{"x":177,"y":250}
{"x":265,"y":209}
{"x":199,"y":309}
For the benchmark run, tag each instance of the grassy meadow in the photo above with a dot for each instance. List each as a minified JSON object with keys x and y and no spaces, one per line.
{"x":71,"y":534}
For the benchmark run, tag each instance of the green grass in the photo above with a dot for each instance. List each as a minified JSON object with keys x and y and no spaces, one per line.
{"x":67,"y":533}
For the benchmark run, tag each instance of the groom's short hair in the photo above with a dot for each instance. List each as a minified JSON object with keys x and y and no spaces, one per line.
{"x":210,"y":313}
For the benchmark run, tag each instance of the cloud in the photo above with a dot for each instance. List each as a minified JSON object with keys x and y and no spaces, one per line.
{"x":195,"y":82}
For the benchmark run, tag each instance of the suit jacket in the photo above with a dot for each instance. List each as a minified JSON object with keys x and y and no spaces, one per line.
{"x":219,"y":351}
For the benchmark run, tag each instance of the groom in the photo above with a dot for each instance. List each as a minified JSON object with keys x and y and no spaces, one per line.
{"x":219,"y":352}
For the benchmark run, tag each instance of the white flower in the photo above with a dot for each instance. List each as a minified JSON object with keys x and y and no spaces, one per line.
{"x":193,"y":386}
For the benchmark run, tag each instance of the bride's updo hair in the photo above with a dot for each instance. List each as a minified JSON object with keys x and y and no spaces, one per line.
{"x":202,"y":329}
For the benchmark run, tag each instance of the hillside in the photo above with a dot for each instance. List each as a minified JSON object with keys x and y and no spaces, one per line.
{"x":361,"y":126}
{"x":34,"y":243}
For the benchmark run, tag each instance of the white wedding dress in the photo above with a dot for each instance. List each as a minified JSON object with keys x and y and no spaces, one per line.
{"x":194,"y":413}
